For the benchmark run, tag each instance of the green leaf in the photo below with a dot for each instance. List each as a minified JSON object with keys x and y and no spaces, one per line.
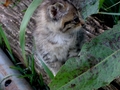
{"x":24,"y":24}
{"x":97,"y":65}
{"x":26,"y":75}
{"x":0,"y":40}
{"x":17,"y":68}
{"x":94,"y":78}
{"x":90,"y":8}
{"x":33,"y":65}
{"x":113,"y":5}
{"x":47,"y":70}
{"x":2,"y":34}
{"x":117,"y":14}
{"x":12,"y":57}
{"x":101,"y":3}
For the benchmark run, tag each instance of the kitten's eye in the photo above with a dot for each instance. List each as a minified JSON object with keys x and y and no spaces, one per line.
{"x":76,"y":20}
{"x":66,"y":23}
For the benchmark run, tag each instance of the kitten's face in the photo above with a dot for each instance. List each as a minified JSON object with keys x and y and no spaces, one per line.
{"x":65,"y":15}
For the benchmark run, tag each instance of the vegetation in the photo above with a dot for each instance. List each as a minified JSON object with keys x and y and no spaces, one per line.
{"x":87,"y":70}
{"x":111,"y":8}
{"x":35,"y":80}
{"x":97,"y":65}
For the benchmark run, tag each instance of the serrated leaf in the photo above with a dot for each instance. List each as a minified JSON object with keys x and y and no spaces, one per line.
{"x":101,"y":50}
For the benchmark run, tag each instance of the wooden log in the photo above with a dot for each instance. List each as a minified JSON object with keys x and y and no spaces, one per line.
{"x":9,"y":77}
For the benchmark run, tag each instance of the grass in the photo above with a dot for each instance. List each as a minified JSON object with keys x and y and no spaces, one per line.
{"x":29,"y":12}
{"x":2,"y":34}
{"x":111,"y":10}
{"x":108,"y":7}
{"x":35,"y":80}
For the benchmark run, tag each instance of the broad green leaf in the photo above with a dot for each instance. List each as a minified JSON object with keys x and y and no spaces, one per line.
{"x":95,"y":58}
{"x":24,"y":24}
{"x":99,"y":75}
{"x":90,"y":8}
{"x":101,"y":3}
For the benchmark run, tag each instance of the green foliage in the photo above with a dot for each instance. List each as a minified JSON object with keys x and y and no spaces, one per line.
{"x":47,"y":70}
{"x":90,"y":8}
{"x":111,"y":7}
{"x":97,"y":65}
{"x":29,"y":73}
{"x":89,"y":71}
{"x":23,"y":26}
{"x":16,"y":3}
{"x":3,"y":36}
{"x":101,"y":3}
{"x":104,"y":7}
{"x":86,"y":72}
{"x":35,"y":80}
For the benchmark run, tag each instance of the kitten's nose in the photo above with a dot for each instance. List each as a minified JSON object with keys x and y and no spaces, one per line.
{"x":82,"y":22}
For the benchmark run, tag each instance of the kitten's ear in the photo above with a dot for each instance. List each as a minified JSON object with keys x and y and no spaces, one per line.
{"x":55,"y":11}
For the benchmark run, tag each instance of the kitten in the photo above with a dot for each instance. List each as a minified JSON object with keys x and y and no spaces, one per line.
{"x":57,"y":35}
